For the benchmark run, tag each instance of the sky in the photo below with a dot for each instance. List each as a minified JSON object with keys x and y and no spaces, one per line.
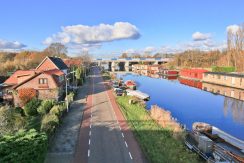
{"x":108,"y":28}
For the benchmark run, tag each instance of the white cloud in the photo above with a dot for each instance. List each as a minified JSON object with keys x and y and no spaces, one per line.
{"x":233,"y":28}
{"x":198,"y":36}
{"x":11,"y":45}
{"x":130,"y":51}
{"x":150,"y":49}
{"x":92,"y":36}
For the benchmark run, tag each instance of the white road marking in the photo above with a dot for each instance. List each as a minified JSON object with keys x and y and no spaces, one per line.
{"x":126,"y":144}
{"x":89,"y":133}
{"x":89,"y":141}
{"x":90,"y":125}
{"x":122,"y":134}
{"x":88,"y":153}
{"x":130,"y":155}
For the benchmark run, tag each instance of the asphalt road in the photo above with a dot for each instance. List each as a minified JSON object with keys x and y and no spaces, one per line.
{"x":106,"y":141}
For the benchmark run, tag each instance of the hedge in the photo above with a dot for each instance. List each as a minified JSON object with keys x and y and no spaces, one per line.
{"x":30,"y":108}
{"x":25,"y":146}
{"x":45,"y":107}
{"x":223,"y":69}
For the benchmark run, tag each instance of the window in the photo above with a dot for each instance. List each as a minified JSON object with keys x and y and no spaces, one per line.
{"x":232,"y":93}
{"x":43,"y":81}
{"x":225,"y":77}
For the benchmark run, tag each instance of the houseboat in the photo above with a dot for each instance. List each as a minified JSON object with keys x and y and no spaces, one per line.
{"x":138,"y":94}
{"x":165,"y":72}
{"x":193,"y":74}
{"x":214,"y":144}
{"x":130,"y":84}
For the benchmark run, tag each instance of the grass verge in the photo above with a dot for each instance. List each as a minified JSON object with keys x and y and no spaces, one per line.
{"x":157,"y":143}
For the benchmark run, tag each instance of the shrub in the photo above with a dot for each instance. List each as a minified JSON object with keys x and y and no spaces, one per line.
{"x":26,"y":94}
{"x":45,"y":107}
{"x":223,"y":69}
{"x":55,"y":110}
{"x":62,"y":108}
{"x":49,"y":123}
{"x":30,"y":108}
{"x":10,"y":120}
{"x":71,"y":96}
{"x":27,"y":147}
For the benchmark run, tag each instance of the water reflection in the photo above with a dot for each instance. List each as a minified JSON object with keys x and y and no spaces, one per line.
{"x":189,"y":105}
{"x":235,"y":108}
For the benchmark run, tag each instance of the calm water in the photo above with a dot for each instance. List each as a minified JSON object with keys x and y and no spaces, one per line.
{"x":189,"y":104}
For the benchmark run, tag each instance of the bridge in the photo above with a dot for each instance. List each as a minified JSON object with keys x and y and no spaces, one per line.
{"x":125,"y":64}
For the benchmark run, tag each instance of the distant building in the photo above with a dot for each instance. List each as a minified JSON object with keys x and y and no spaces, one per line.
{"x":166,"y":72}
{"x":140,"y":69}
{"x":194,"y":74}
{"x":154,"y":69}
{"x":234,"y":80}
{"x":72,"y":62}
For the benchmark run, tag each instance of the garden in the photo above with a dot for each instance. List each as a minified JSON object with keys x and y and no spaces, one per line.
{"x":25,"y":132}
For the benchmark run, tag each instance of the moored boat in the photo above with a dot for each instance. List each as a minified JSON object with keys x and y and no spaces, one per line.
{"x":130,"y":84}
{"x":138,"y":94}
{"x":214,"y":144}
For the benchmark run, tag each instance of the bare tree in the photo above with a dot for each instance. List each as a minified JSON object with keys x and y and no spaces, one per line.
{"x":56,"y":49}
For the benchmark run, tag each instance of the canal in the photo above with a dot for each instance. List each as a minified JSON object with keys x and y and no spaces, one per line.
{"x":189,"y":104}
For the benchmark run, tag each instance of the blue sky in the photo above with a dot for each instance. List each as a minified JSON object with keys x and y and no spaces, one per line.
{"x":161,"y":25}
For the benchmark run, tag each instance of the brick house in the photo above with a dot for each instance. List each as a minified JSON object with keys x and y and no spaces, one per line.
{"x":47,"y":84}
{"x":154,"y":69}
{"x":47,"y":80}
{"x":50,"y":63}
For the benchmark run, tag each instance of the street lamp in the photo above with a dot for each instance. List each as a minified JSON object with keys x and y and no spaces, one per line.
{"x":66,"y":85}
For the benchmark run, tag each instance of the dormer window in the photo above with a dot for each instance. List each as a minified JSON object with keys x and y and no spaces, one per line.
{"x":43,"y":81}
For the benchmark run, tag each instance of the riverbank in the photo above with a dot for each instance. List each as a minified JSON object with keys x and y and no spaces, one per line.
{"x":157,"y":143}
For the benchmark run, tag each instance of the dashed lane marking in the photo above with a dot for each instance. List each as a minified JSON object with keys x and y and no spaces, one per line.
{"x":88,"y":153}
{"x":126,"y":144}
{"x":130,"y":155}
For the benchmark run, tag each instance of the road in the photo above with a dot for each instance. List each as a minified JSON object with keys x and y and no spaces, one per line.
{"x":104,"y":134}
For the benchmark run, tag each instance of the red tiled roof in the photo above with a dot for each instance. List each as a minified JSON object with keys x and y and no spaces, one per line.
{"x":54,"y":72}
{"x":13,"y":79}
{"x":70,"y":62}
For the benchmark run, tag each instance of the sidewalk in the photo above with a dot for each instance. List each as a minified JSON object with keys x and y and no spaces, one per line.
{"x":62,"y":147}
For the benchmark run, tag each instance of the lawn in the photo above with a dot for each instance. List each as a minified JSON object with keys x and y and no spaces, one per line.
{"x":157,"y":143}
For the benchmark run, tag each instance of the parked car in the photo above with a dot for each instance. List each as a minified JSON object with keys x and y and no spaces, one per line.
{"x":119,"y":92}
{"x":115,"y":86}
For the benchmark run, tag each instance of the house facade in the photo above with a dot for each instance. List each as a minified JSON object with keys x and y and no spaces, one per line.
{"x":47,"y":85}
{"x":234,"y":80}
{"x":50,"y":63}
{"x":47,"y":81}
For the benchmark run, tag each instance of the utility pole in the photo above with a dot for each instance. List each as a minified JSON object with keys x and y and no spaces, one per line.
{"x":66,"y":89}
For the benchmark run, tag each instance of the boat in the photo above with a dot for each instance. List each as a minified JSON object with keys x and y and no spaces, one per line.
{"x":130,"y":84}
{"x":138,"y":94}
{"x":214,"y":144}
